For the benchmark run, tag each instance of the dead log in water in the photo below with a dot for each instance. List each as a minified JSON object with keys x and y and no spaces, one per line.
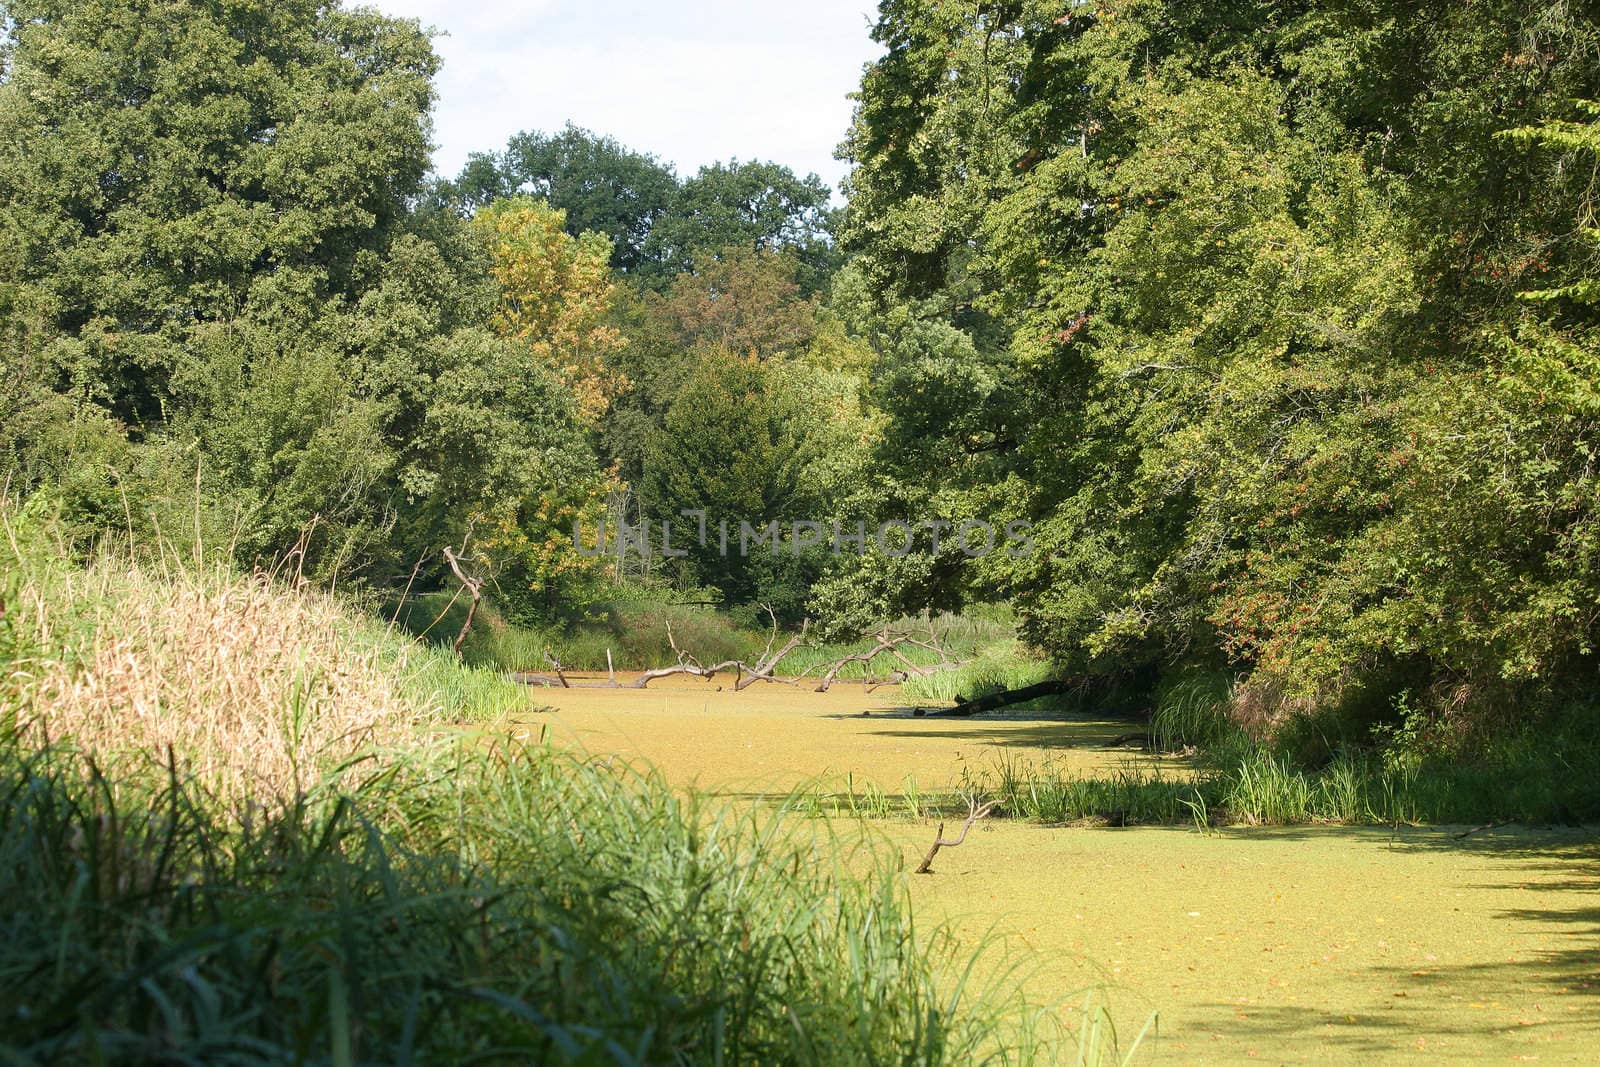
{"x":1001,"y":700}
{"x":766,"y":666}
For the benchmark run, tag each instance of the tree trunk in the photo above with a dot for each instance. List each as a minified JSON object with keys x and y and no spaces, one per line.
{"x":1000,"y":700}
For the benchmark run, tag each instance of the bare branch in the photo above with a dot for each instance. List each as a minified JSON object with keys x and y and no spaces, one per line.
{"x":974,"y":813}
{"x":766,"y":667}
{"x":474,"y":588}
{"x":560,"y":671}
{"x":885,"y":643}
{"x":890,"y":642}
{"x":769,"y":661}
{"x":691,"y":668}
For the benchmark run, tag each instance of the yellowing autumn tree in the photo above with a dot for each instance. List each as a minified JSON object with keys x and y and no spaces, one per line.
{"x":555,"y":291}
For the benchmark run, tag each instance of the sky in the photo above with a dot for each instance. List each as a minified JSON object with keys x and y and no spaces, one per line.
{"x":689,"y":82}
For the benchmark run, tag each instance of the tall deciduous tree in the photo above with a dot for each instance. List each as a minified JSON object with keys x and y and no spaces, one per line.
{"x":757,"y":207}
{"x":555,"y":296}
{"x":213,"y":277}
{"x":659,"y":226}
{"x":1234,"y":298}
{"x":602,"y":186}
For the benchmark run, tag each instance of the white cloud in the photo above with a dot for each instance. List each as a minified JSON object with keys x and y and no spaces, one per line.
{"x":692,"y":83}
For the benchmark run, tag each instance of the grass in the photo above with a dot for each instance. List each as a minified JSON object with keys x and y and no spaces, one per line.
{"x":834,"y":797}
{"x":1040,"y":791}
{"x":514,"y":905}
{"x":1539,"y":775}
{"x":1264,"y":789}
{"x":1535,"y":775}
{"x":261,"y":687}
{"x":234,"y":828}
{"x":1190,"y":714}
{"x":1035,"y":790}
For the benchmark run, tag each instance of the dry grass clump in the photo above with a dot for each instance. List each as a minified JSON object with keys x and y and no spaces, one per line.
{"x":260,"y":690}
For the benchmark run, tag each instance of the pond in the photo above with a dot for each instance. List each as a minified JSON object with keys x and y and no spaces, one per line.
{"x":1279,"y":944}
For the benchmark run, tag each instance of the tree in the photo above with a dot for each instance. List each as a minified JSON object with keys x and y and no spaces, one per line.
{"x":213,"y":278}
{"x":659,"y":227}
{"x":199,"y":193}
{"x":164,"y":154}
{"x":601,"y":186}
{"x":758,"y":207}
{"x":1234,"y":297}
{"x":751,"y":442}
{"x":742,"y":301}
{"x":555,"y":295}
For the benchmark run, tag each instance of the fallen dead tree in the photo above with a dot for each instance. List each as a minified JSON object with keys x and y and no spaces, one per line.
{"x":686,"y":664}
{"x":766,"y":666}
{"x":1001,"y":700}
{"x":889,"y":642}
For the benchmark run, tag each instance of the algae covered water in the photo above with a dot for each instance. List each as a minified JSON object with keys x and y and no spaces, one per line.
{"x":1280,"y":944}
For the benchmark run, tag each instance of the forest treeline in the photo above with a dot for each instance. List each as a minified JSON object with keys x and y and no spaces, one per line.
{"x":1277,"y":321}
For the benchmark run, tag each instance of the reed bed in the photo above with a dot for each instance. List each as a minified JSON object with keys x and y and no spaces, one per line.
{"x":260,"y":687}
{"x":239,"y":824}
{"x":513,"y":905}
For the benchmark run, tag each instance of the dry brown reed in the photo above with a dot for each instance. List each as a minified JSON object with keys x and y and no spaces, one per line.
{"x":259,"y":688}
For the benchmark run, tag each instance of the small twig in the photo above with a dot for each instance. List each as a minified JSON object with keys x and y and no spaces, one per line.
{"x":684,"y":658}
{"x":892,"y":678}
{"x":974,"y":813}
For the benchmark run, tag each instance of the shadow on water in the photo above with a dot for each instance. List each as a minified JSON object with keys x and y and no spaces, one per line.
{"x":929,"y":714}
{"x":1035,"y":731}
{"x":1043,"y":736}
{"x":1559,"y":867}
{"x":1375,"y":1036}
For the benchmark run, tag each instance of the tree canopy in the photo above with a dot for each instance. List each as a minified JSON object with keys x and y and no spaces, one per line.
{"x":602,"y":187}
{"x":1277,"y":321}
{"x":214,"y":277}
{"x":1272,"y":316}
{"x":659,"y":226}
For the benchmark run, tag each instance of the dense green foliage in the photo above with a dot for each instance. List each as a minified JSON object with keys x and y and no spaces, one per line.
{"x":214,"y":278}
{"x":659,"y":226}
{"x":236,"y":310}
{"x":1277,"y":318}
{"x":602,"y":186}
